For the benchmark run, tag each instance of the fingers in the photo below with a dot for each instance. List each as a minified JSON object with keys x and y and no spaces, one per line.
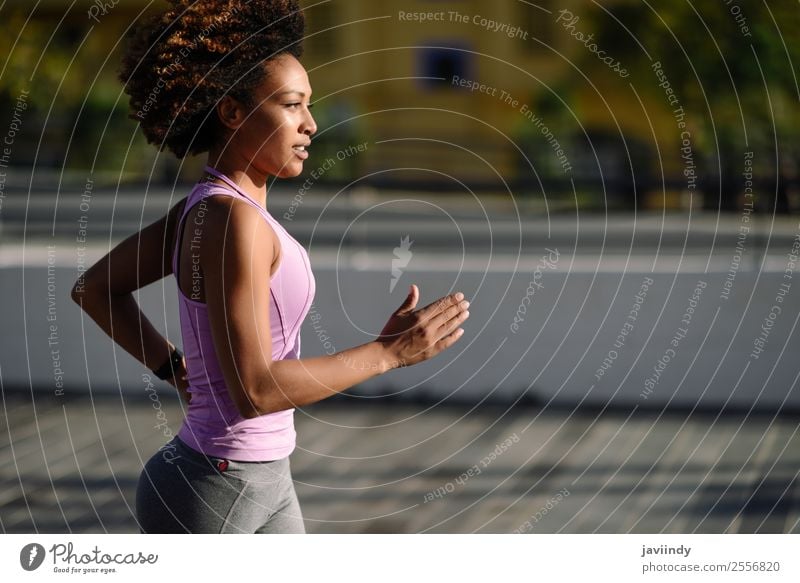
{"x":446,"y":325}
{"x":440,"y":305}
{"x":445,"y":337}
{"x":449,"y":313}
{"x":452,"y":317}
{"x":449,"y":340}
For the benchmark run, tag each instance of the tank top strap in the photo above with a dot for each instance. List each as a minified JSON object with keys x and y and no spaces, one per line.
{"x":238,"y":190}
{"x":232,"y":184}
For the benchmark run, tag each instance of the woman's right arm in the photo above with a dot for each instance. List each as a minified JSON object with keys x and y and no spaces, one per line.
{"x":236,"y":254}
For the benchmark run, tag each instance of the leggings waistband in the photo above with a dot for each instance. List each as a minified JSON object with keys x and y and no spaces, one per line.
{"x":201,"y":457}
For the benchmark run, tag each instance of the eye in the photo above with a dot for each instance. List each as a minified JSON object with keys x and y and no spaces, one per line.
{"x":292,"y":104}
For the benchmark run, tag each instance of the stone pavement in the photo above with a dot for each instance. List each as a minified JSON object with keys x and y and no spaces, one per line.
{"x":71,"y":465}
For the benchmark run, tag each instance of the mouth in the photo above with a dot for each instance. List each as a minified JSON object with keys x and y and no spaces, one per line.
{"x":300,"y":151}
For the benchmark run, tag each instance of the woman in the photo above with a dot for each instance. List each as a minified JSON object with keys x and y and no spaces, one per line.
{"x":244,"y":284}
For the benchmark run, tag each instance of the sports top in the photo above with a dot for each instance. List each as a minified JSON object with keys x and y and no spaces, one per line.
{"x":213,"y":424}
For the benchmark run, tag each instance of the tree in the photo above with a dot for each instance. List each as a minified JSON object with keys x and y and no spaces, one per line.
{"x":733,"y":67}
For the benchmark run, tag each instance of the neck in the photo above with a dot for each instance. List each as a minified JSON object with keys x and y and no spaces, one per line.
{"x":241,"y":172}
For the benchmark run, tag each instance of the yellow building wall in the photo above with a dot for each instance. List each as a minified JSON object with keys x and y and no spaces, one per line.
{"x":370,"y":60}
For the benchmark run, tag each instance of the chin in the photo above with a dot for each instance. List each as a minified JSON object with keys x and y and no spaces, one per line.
{"x":291,"y":171}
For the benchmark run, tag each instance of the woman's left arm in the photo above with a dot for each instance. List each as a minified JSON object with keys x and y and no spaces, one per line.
{"x":105,"y":292}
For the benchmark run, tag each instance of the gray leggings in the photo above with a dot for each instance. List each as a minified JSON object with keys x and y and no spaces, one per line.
{"x":182,"y":490}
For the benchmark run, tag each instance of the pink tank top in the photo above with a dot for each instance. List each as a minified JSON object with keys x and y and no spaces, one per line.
{"x":213,"y":424}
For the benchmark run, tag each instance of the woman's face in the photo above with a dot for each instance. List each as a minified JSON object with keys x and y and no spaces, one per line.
{"x":273,"y":136}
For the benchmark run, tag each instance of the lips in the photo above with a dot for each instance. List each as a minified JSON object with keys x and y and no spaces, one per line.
{"x":300,"y":151}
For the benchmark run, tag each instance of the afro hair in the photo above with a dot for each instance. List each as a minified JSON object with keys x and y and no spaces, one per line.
{"x":178,"y":64}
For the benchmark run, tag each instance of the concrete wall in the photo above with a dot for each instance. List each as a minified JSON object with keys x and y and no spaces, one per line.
{"x":570,"y":325}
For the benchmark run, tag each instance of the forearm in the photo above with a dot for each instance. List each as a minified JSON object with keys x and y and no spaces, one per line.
{"x":298,"y":382}
{"x":120,"y":317}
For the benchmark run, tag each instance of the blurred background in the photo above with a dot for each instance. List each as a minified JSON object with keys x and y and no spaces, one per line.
{"x":613,"y":185}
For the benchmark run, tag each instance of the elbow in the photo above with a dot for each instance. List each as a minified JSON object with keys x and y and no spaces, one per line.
{"x":249,"y":397}
{"x":275,"y":405}
{"x":84,"y":293}
{"x":79,"y":292}
{"x":89,"y":291}
{"x":260,"y":388}
{"x":250,"y":409}
{"x":253,"y":408}
{"x":264,"y":400}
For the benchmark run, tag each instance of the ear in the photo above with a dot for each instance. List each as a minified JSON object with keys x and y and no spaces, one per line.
{"x":230,"y":112}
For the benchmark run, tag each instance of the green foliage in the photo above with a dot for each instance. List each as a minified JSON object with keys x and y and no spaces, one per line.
{"x":729,"y":79}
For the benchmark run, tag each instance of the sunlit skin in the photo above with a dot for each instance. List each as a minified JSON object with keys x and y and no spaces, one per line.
{"x":262,"y":142}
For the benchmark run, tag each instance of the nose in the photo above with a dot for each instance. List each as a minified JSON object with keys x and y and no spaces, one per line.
{"x":309,"y":125}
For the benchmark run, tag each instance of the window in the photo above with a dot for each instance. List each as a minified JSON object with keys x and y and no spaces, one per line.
{"x":439,"y":65}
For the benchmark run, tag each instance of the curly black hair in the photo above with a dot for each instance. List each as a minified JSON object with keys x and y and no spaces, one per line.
{"x":178,"y":64}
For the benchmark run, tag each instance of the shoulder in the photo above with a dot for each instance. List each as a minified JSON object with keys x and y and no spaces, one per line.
{"x":222,"y":218}
{"x":220,"y":209}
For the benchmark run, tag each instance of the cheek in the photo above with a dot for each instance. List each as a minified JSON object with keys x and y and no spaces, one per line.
{"x":265,"y":130}
{"x":269,"y":138}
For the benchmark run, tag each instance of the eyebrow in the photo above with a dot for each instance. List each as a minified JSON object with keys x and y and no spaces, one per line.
{"x":300,"y":93}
